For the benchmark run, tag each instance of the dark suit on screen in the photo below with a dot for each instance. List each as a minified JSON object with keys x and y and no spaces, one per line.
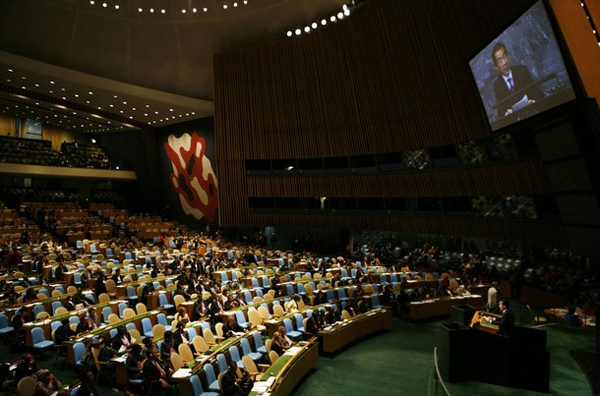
{"x":521,"y":78}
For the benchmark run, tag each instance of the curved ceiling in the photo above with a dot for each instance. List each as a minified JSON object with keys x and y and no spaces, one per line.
{"x":161,"y":61}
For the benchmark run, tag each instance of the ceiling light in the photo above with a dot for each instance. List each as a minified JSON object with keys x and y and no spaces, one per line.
{"x":314,"y":25}
{"x":298,"y":32}
{"x":183,"y":11}
{"x":289,"y":33}
{"x":224,"y":6}
{"x":332,"y":19}
{"x":117,"y":6}
{"x":307,"y":29}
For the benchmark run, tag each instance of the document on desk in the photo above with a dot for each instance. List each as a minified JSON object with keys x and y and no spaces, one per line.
{"x":120,"y":359}
{"x":260,"y":387}
{"x":293,"y":351}
{"x":182,"y":373}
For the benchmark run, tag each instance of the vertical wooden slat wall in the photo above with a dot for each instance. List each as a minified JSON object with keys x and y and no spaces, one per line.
{"x":394,"y":76}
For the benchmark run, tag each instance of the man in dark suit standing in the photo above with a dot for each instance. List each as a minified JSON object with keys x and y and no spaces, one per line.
{"x":506,"y":323}
{"x":512,"y":81}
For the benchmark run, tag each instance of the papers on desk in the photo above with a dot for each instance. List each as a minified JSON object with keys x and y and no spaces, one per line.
{"x":123,"y":349}
{"x":261,"y":387}
{"x":120,"y":359}
{"x":238,"y":333}
{"x":182,"y":373}
{"x":293,"y":351}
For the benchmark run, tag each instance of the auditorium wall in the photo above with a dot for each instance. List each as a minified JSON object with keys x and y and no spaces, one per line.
{"x":392,"y":77}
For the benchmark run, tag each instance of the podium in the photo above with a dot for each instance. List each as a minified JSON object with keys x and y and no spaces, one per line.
{"x":521,"y":361}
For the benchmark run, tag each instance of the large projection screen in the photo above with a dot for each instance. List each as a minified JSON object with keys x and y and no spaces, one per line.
{"x":521,"y":73}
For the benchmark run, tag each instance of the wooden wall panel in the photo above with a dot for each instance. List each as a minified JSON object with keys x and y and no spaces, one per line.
{"x":525,"y":177}
{"x":392,"y":77}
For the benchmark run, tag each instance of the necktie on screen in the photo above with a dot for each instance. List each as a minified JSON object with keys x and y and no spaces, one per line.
{"x":510,"y":84}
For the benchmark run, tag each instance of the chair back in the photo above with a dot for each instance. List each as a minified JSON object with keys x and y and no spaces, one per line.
{"x":37,"y":335}
{"x":128,"y":313}
{"x":273,"y":356}
{"x":254,"y":317}
{"x":208,"y":336}
{"x":78,"y":349}
{"x":135,"y":334}
{"x":249,"y":365}
{"x":158,"y":330}
{"x":111,"y":286}
{"x":200,"y":344}
{"x":278,"y":310}
{"x":141,"y":308}
{"x":60,"y":311}
{"x":103,"y":298}
{"x":246,"y":350}
{"x":176,"y":361}
{"x":222,"y":361}
{"x":209,"y":372}
{"x":197,"y":389}
{"x":113,"y":318}
{"x":178,"y":299}
{"x":26,"y":386}
{"x":191,"y":332}
{"x":219,"y":330}
{"x":268,"y":344}
{"x":186,"y":353}
{"x":264,"y":313}
{"x":258,"y":341}
{"x":234,"y":354}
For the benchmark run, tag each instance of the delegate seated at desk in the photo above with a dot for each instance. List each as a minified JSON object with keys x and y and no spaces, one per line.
{"x":511,"y":80}
{"x":506,"y":323}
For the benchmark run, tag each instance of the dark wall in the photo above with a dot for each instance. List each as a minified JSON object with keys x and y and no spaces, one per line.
{"x":136,"y":151}
{"x":392,"y":77}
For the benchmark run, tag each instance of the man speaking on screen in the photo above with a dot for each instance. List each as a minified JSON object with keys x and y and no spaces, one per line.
{"x":514,"y":86}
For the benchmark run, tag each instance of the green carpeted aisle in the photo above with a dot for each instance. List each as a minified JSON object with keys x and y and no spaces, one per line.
{"x":400,"y":362}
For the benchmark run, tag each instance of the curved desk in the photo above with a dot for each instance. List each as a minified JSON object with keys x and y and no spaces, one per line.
{"x":289,"y":369}
{"x":336,"y":337}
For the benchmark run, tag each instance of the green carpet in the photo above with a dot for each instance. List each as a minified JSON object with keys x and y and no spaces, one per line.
{"x":400,"y":362}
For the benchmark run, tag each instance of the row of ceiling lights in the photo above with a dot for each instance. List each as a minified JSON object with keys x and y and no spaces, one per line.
{"x":153,"y":10}
{"x":61,"y":120}
{"x":78,"y":97}
{"x":334,"y":18}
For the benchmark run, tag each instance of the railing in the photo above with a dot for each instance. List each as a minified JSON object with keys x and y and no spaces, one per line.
{"x":438,"y":376}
